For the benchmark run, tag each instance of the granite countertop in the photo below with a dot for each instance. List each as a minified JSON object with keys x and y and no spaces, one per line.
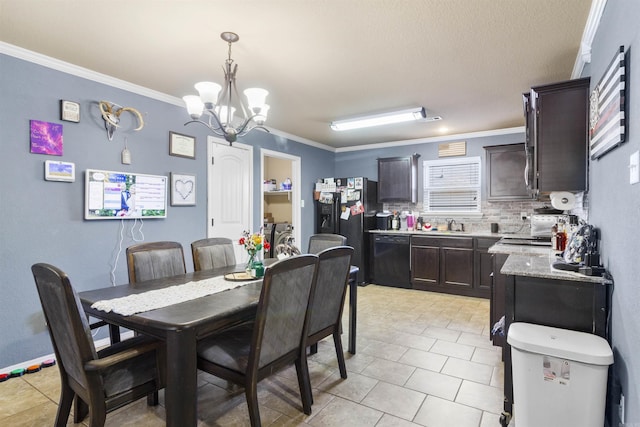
{"x":443,"y":233}
{"x":533,"y":250}
{"x":540,"y":265}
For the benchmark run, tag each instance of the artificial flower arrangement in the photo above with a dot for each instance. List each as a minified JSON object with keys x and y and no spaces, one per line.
{"x":253,"y":243}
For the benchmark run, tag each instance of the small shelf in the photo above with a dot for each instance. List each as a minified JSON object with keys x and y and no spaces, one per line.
{"x":279,"y":193}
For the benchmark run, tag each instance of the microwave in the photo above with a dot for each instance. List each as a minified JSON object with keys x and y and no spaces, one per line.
{"x":541,"y":224}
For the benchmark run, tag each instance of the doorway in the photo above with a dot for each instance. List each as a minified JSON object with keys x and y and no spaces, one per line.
{"x":279,"y":204}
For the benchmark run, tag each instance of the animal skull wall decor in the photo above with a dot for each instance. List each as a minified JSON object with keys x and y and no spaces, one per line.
{"x":111,"y":115}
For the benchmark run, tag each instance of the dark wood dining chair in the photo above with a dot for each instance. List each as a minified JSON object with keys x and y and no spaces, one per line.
{"x":328,"y":302}
{"x":249,"y":353}
{"x":212,"y":253}
{"x":101,"y":381}
{"x":322,"y":241}
{"x":155,"y":260}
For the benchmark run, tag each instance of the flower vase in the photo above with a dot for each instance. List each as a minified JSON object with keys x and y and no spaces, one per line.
{"x":249,"y":267}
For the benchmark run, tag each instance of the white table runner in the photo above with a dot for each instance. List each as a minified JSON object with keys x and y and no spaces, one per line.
{"x":160,"y":298}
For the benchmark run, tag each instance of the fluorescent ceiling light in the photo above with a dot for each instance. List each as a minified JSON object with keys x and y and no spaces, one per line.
{"x":411,"y":114}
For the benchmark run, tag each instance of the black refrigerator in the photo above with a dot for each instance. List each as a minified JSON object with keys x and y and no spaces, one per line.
{"x":359,"y":197}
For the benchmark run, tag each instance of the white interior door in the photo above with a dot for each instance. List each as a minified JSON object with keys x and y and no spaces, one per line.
{"x":230,"y":201}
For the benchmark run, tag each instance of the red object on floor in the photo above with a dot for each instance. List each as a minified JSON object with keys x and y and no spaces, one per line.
{"x":4,"y":377}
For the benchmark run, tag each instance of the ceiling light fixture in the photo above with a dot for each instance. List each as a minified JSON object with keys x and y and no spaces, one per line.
{"x":219,"y":105}
{"x":411,"y":114}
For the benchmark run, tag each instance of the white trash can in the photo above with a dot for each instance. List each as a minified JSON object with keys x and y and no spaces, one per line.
{"x":559,"y":376}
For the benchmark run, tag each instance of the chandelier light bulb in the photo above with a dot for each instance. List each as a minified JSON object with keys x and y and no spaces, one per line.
{"x":208,"y":93}
{"x":256,"y":98}
{"x":194,"y":106}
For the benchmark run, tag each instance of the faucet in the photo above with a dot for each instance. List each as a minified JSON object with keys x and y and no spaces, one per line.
{"x":450,"y":223}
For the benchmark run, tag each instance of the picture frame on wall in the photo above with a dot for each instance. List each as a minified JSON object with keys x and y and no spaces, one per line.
{"x":182,"y":145}
{"x":69,"y":111}
{"x":183,"y":189}
{"x":607,"y":108}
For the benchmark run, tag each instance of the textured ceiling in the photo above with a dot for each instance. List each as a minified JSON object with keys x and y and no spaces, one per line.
{"x":465,"y":60}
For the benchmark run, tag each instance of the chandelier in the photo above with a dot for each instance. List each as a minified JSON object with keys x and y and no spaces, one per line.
{"x":217,"y":102}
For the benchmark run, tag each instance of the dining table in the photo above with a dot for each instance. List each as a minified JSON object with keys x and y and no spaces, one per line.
{"x":180,"y":325}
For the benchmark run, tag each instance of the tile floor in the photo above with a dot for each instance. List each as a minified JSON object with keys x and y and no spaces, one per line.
{"x":423,"y":359}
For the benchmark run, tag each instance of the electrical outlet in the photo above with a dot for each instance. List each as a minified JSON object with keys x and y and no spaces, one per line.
{"x":621,"y":409}
{"x":524,"y":216}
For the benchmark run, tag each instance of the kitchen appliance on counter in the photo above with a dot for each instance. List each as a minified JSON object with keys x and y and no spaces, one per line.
{"x":541,"y":224}
{"x":358,"y":196}
{"x":383,"y":220}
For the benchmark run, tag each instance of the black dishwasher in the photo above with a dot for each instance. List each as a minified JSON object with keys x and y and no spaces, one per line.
{"x":391,"y":260}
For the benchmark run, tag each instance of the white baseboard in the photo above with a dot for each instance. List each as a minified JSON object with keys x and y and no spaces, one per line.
{"x":37,"y":361}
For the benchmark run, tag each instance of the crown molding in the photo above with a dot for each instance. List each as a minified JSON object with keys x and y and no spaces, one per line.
{"x":593,"y":21}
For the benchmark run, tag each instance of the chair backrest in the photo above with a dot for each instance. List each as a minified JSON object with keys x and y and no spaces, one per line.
{"x":68,"y":326}
{"x":155,"y":260}
{"x":282,"y":316}
{"x":320,"y":242}
{"x":212,"y":253}
{"x":331,"y":285}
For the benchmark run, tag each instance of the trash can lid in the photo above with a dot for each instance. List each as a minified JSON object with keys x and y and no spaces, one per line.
{"x":562,"y":343}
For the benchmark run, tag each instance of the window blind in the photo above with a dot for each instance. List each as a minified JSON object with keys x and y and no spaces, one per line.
{"x":452,"y":185}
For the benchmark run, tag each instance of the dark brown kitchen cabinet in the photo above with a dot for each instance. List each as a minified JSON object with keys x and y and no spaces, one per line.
{"x":443,"y":264}
{"x":398,"y":179}
{"x":505,"y":168}
{"x":556,"y":136}
{"x":483,"y":265}
{"x":497,"y":303}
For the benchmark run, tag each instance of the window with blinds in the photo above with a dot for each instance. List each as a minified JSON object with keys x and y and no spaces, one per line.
{"x":452,"y":186}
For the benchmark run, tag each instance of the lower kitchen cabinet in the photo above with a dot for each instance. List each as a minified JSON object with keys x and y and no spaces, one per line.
{"x":498,"y":287}
{"x":444,"y":264}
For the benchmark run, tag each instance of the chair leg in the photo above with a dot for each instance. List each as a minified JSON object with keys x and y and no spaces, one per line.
{"x":313,"y":348}
{"x":340,"y":353}
{"x":114,"y":333}
{"x":97,"y":416}
{"x":251,"y":391}
{"x":152,"y":399}
{"x":80,"y":410}
{"x":64,"y":407}
{"x":304,"y":383}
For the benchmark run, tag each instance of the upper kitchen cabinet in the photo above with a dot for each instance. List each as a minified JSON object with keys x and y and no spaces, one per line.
{"x":556,"y":137}
{"x":505,"y":169}
{"x":398,"y":179}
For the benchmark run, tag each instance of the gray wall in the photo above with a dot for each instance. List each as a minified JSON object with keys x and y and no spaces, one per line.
{"x":615,"y":204}
{"x":43,"y":221}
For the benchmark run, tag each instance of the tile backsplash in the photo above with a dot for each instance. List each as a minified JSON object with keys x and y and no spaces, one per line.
{"x":505,"y":214}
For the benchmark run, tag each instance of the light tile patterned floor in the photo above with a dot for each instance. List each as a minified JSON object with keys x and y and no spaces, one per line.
{"x":423,"y":359}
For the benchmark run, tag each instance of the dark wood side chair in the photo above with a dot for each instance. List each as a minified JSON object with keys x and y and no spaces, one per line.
{"x":104,"y":380}
{"x":322,"y":241}
{"x":249,"y":353}
{"x":155,"y":260}
{"x":212,"y":253}
{"x":331,"y":289}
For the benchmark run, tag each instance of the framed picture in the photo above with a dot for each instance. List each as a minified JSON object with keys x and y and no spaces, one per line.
{"x":69,"y":111}
{"x":182,"y":145}
{"x":183,"y":189}
{"x":606,"y":108}
{"x":46,"y":138}
{"x":59,"y":171}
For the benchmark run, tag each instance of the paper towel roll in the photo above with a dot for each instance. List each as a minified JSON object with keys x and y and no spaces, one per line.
{"x":563,"y":200}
